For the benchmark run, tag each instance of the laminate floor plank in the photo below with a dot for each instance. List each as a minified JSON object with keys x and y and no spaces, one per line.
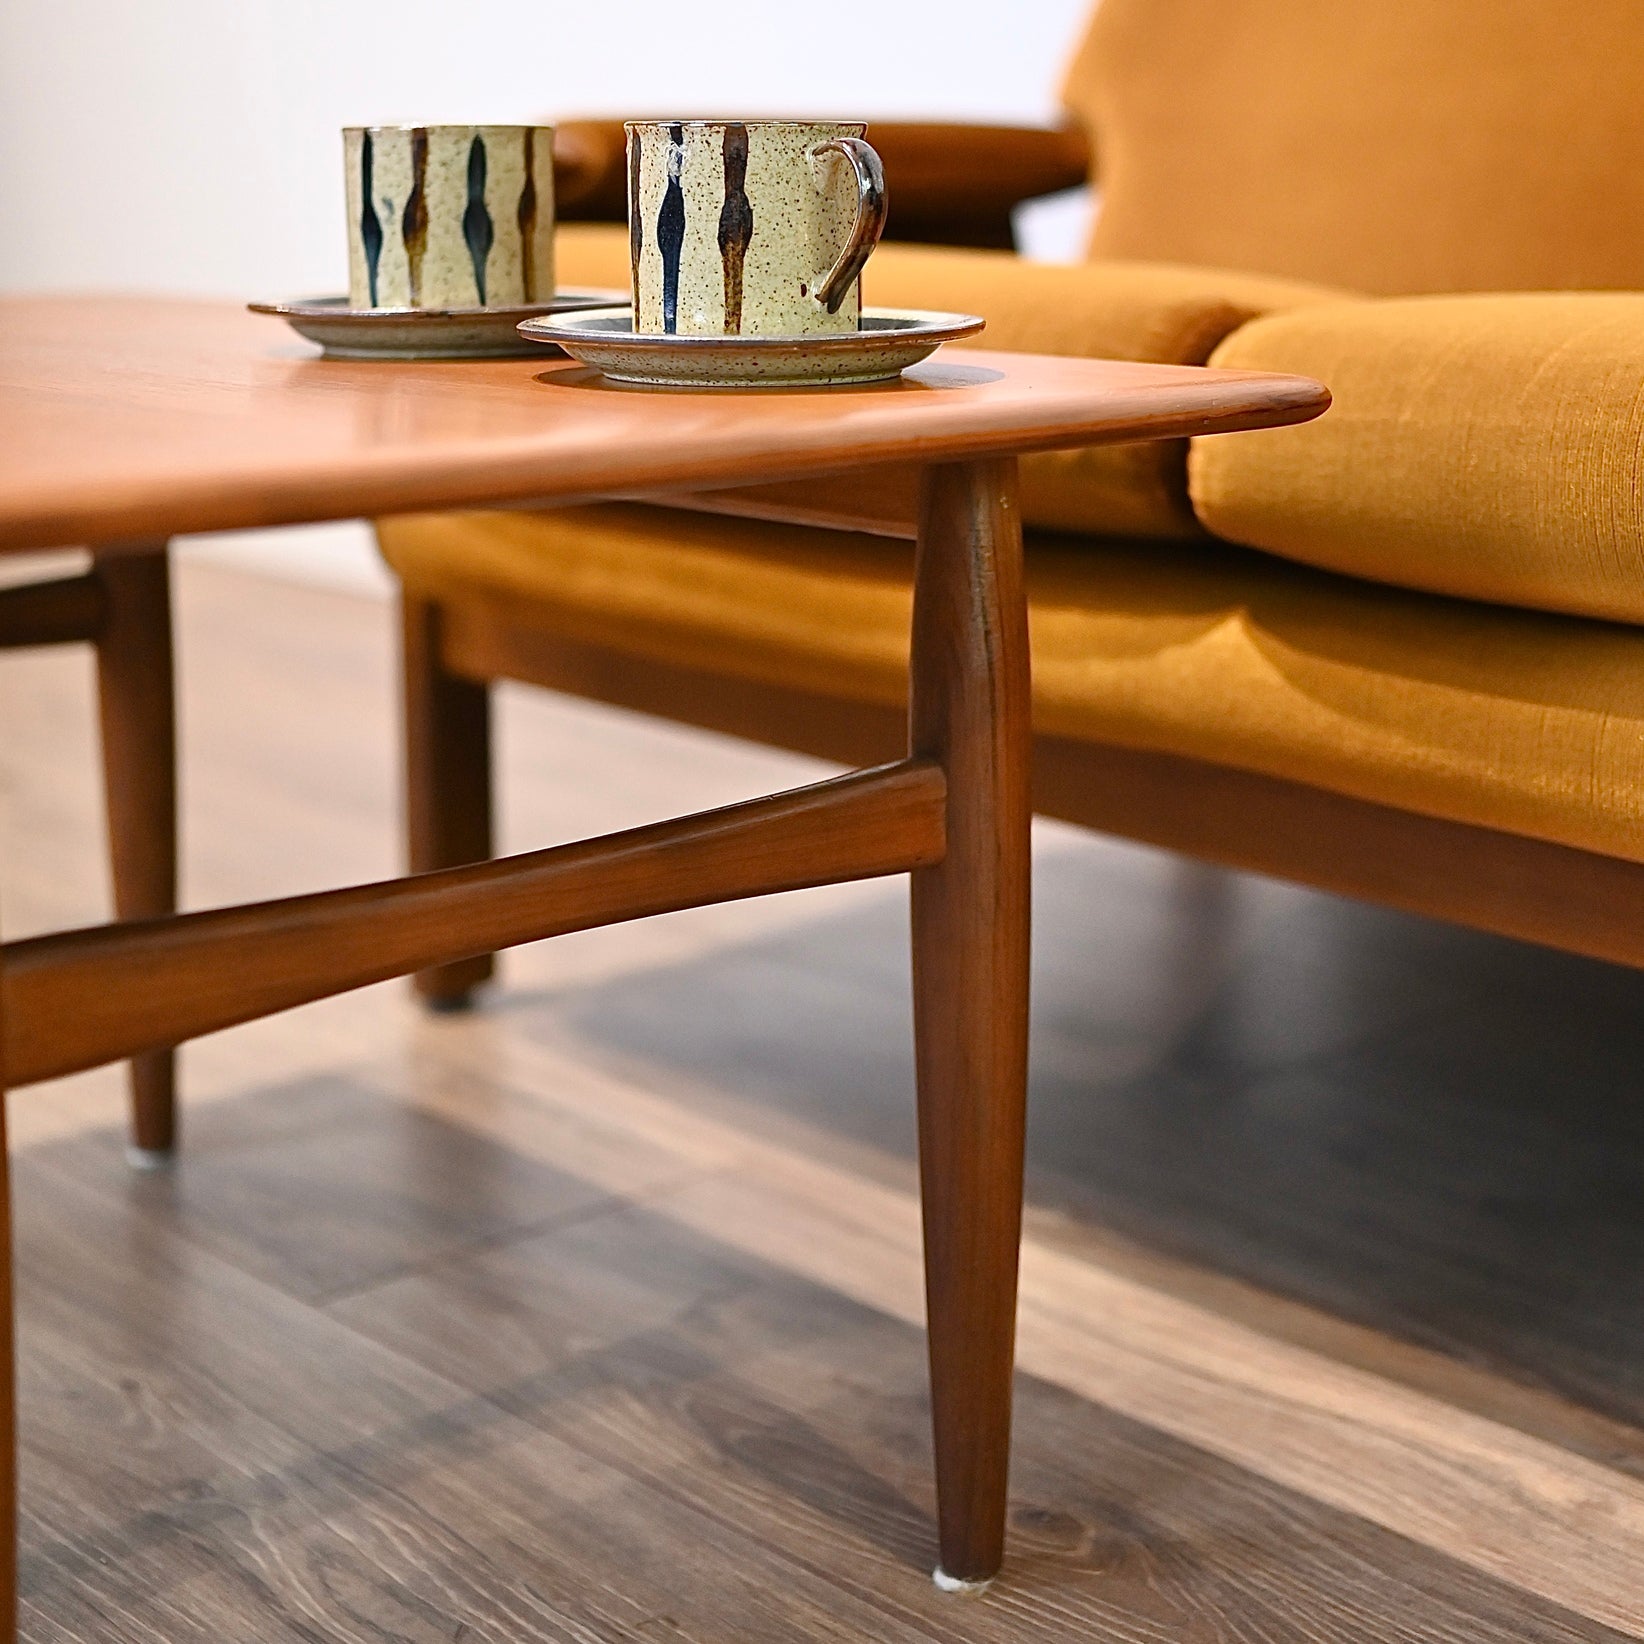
{"x":328,"y":1185}
{"x":482,"y":1530}
{"x":762,"y":1398}
{"x":616,"y":1420}
{"x":237,"y":1464}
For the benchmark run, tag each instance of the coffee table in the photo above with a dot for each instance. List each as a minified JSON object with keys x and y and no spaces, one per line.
{"x":125,"y":422}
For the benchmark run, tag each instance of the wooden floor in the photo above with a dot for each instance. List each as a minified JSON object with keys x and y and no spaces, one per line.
{"x":595,"y":1315}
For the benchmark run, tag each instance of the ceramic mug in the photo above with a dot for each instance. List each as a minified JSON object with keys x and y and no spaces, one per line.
{"x":750,"y":227}
{"x":449,"y":216}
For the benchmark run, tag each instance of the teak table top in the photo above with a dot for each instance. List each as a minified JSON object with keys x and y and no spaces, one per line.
{"x":136,"y":418}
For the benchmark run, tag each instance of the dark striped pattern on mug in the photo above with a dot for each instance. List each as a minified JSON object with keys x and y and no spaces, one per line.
{"x":450,"y":216}
{"x":736,"y":221}
{"x":370,"y":225}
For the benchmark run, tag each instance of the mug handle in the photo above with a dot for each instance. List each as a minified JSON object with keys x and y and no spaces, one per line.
{"x":871,"y":206}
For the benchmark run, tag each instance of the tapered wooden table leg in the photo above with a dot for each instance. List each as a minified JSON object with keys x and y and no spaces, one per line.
{"x":136,"y":696}
{"x":970,"y":713}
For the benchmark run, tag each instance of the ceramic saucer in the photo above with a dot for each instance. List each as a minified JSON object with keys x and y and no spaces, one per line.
{"x":420,"y":333}
{"x":889,"y":341}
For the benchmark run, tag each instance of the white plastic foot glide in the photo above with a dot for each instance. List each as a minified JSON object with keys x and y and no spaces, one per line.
{"x":953,"y":1584}
{"x":151,"y":1158}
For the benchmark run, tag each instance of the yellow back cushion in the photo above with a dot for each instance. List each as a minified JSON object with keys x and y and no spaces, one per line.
{"x":1383,"y":145}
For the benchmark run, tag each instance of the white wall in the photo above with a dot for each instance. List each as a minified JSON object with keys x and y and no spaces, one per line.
{"x":191,"y":145}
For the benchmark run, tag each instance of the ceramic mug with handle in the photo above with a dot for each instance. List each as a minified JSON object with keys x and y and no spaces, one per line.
{"x":449,"y":216}
{"x":750,"y":227}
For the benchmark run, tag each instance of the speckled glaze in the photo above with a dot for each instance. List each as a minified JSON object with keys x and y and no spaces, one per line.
{"x":735,"y":225}
{"x":449,"y":216}
{"x":886,"y":343}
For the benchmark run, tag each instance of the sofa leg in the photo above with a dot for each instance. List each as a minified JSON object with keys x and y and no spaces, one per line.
{"x":137,"y":703}
{"x":970,"y":712}
{"x":447,"y":781}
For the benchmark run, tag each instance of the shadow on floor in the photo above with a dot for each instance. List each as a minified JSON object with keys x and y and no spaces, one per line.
{"x":1426,"y":1130}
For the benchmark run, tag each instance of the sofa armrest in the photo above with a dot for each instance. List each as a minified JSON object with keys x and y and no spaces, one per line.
{"x":948,"y":184}
{"x":959,"y":184}
{"x":1490,"y":447}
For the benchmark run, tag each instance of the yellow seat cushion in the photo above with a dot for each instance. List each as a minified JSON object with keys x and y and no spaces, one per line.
{"x":1122,"y":311}
{"x":1491,"y":447}
{"x":1510,"y":719}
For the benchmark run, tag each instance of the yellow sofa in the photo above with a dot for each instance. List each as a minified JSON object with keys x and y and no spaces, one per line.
{"x":1395,"y":652}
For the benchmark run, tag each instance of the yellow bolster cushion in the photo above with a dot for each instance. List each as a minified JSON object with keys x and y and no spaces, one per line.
{"x":1508,"y":719}
{"x":1122,"y":311}
{"x":1491,"y":447}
